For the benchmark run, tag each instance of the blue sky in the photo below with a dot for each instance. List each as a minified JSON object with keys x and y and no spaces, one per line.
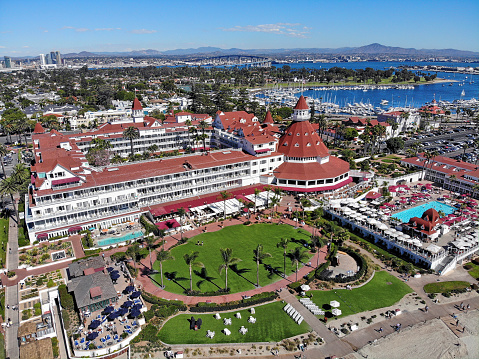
{"x":31,"y":27}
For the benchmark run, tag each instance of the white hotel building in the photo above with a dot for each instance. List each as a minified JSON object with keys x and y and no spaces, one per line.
{"x":68,"y":195}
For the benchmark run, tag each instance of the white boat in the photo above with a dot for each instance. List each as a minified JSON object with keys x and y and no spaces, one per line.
{"x":384,"y":102}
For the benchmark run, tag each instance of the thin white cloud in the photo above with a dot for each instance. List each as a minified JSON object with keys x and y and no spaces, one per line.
{"x":67,"y":27}
{"x":3,"y":47}
{"x":26,"y":47}
{"x":109,"y":29}
{"x":81,"y":29}
{"x":45,"y":30}
{"x":287,"y":29}
{"x":143,"y":31}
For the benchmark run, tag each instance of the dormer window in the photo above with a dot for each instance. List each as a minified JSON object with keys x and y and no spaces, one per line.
{"x":298,"y":134}
{"x":296,"y":145}
{"x":308,"y":145}
{"x":306,"y":133}
{"x":285,"y":144}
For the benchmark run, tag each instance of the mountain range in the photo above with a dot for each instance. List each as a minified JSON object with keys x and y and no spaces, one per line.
{"x":370,"y":50}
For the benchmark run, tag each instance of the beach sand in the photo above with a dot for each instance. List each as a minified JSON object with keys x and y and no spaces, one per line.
{"x":432,"y":340}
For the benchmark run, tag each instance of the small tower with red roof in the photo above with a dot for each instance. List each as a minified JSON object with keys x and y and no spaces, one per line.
{"x":301,"y":110}
{"x":137,"y":111}
{"x":38,"y":128}
{"x":268,"y":119}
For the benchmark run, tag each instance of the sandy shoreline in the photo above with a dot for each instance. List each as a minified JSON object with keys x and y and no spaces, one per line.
{"x":431,"y":340}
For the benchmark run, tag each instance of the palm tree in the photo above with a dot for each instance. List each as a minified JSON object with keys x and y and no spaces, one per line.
{"x":3,"y":153}
{"x":268,"y":190}
{"x":131,"y":133}
{"x":153,"y":148}
{"x":162,"y":256}
{"x":441,"y":214}
{"x":203,"y":125}
{"x":259,"y":255}
{"x":298,"y":255}
{"x":257,"y":191}
{"x":133,"y":252}
{"x":149,"y":241}
{"x":191,"y":261}
{"x":274,"y":202}
{"x":8,"y":187}
{"x":224,"y":195}
{"x":181,"y":212}
{"x":283,"y":243}
{"x":452,"y":180}
{"x":228,"y":260}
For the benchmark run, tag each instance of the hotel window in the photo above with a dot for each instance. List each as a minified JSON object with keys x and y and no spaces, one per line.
{"x":301,"y":183}
{"x":311,"y":183}
{"x":291,"y":182}
{"x":282,"y":181}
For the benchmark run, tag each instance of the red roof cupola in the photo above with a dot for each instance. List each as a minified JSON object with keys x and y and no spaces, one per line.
{"x":301,"y":104}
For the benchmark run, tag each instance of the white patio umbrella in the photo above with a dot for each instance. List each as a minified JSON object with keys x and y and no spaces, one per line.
{"x":334,"y":304}
{"x":305,"y":287}
{"x":416,"y":242}
{"x":372,"y":221}
{"x":407,"y":236}
{"x":336,"y":311}
{"x":388,"y":232}
{"x":354,"y":215}
{"x":384,"y":218}
{"x":382,"y":226}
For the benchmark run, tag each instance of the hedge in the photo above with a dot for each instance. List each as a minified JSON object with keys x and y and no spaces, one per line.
{"x":254,"y":300}
{"x":150,"y":298}
{"x":363,"y":266}
{"x":66,"y":298}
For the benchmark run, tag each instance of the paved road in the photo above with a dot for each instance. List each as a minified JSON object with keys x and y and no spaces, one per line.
{"x":11,"y":294}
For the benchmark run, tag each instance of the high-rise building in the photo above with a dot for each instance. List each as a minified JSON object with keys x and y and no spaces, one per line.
{"x":8,"y":62}
{"x":58,"y":58}
{"x":42,"y":60}
{"x":53,"y":57}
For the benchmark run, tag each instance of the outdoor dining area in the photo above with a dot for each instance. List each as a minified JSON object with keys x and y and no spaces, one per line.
{"x":112,"y":324}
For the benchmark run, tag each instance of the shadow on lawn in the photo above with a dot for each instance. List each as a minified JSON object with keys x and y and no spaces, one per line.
{"x":240,"y":272}
{"x":172,"y":276}
{"x":273,"y":271}
{"x":203,"y":274}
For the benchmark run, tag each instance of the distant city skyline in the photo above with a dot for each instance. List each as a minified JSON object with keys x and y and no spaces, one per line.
{"x":29,"y":28}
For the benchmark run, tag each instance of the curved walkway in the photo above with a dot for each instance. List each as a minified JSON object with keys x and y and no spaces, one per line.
{"x":148,"y":285}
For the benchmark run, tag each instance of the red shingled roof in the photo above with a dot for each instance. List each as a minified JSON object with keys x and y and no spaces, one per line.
{"x":301,"y":104}
{"x":301,"y":140}
{"x":312,"y":170}
{"x":137,"y":104}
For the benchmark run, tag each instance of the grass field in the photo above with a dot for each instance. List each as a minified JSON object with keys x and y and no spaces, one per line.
{"x":382,"y":291}
{"x":474,"y":272}
{"x":243,"y":240}
{"x":2,"y":347}
{"x":272,"y":325}
{"x":443,"y":287}
{"x":3,"y":241}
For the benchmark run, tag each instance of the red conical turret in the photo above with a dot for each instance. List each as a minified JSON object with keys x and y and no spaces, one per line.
{"x":38,"y":128}
{"x":269,"y":118}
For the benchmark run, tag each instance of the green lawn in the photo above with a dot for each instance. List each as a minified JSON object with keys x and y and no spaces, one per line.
{"x":382,"y":291}
{"x":443,"y":287}
{"x":243,"y":240}
{"x":2,"y":347}
{"x":3,"y":241}
{"x":272,"y":325}
{"x":474,"y":272}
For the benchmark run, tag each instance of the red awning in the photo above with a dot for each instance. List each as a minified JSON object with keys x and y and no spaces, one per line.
{"x":75,"y":229}
{"x":263,"y":150}
{"x":169,"y":224}
{"x":42,"y":235}
{"x":373,"y":195}
{"x":318,"y":189}
{"x":65,"y":181}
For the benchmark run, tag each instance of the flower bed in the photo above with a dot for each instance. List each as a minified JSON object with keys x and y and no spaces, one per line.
{"x":42,"y":254}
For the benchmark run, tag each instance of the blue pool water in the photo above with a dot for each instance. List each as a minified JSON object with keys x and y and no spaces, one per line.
{"x":114,"y":240}
{"x":404,"y":216}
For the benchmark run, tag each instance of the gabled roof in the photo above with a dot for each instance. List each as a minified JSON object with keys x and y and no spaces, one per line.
{"x":137,"y":104}
{"x":301,"y":104}
{"x":301,"y":140}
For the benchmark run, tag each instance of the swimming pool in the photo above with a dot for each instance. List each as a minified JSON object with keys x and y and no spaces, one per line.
{"x":114,"y":240}
{"x":404,"y":216}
